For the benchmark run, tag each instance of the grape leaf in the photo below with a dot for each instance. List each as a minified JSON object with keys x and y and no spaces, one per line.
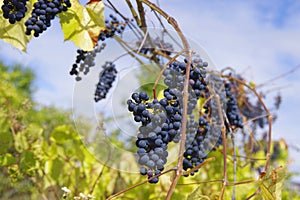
{"x":6,"y":141}
{"x":7,"y":159}
{"x":271,"y":183}
{"x":14,"y":34}
{"x":82,"y":25}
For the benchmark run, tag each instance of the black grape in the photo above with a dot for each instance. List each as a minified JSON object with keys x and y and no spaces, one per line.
{"x":113,"y":27}
{"x":14,"y":10}
{"x":43,"y":12}
{"x":232,"y":110}
{"x":106,"y":78}
{"x":85,"y":60}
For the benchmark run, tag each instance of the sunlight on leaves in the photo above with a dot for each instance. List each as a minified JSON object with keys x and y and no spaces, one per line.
{"x":82,"y":25}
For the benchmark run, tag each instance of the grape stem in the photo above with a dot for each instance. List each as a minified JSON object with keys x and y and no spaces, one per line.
{"x":217,"y":181}
{"x":188,"y":51}
{"x":139,"y":184}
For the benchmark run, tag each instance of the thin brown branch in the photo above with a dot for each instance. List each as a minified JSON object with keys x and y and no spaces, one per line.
{"x":186,"y":46}
{"x":128,"y":21}
{"x":133,"y":12}
{"x":224,"y":147}
{"x":138,"y":184}
{"x":96,"y":181}
{"x":141,"y":11}
{"x":217,"y":181}
{"x":183,"y":133}
{"x":278,"y":77}
{"x":199,"y":166}
{"x":52,"y":185}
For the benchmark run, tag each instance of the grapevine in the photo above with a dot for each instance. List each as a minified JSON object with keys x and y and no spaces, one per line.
{"x":189,"y":117}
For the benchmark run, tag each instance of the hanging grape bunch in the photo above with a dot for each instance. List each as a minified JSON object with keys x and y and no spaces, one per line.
{"x":161,"y":119}
{"x":43,"y":12}
{"x":106,"y":78}
{"x":14,"y":10}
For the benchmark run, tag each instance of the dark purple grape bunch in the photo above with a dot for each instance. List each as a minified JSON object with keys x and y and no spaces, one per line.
{"x":113,"y":27}
{"x":43,"y":12}
{"x":106,"y":78}
{"x":14,"y":10}
{"x":153,"y":137}
{"x":161,"y":120}
{"x":232,"y":110}
{"x":196,"y":143}
{"x":175,"y":76}
{"x":85,"y":60}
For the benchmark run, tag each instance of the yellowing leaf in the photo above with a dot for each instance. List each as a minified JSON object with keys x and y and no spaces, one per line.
{"x":82,"y":25}
{"x":14,"y":34}
{"x":96,"y":11}
{"x":271,"y":183}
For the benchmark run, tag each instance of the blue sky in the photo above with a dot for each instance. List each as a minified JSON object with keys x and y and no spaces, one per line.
{"x":258,"y":38}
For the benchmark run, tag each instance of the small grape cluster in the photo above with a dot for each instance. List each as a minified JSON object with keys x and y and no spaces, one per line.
{"x":164,"y":47}
{"x":196,"y":143}
{"x":14,"y":10}
{"x":85,"y":60}
{"x":43,"y":12}
{"x":113,"y":26}
{"x":106,"y":78}
{"x":232,"y":110}
{"x":161,"y":123}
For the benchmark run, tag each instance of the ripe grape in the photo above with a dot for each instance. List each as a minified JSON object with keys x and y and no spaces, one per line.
{"x":106,"y":78}
{"x":232,"y":110}
{"x":113,"y":26}
{"x":85,"y":60}
{"x":43,"y":12}
{"x":14,"y":10}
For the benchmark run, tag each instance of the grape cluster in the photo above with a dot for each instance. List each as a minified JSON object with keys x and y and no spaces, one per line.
{"x":164,"y":47}
{"x":106,"y":78}
{"x":161,"y":119}
{"x":113,"y":26}
{"x":232,"y":110}
{"x":161,"y":123}
{"x":14,"y":10}
{"x":43,"y":12}
{"x":85,"y":60}
{"x":196,"y":143}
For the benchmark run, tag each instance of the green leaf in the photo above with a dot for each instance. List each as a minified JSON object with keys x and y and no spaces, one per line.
{"x":61,"y":134}
{"x":7,"y":159}
{"x":271,"y":183}
{"x":56,"y":168}
{"x":6,"y":141}
{"x":197,"y":194}
{"x":14,"y":34}
{"x":28,"y":162}
{"x":82,"y":25}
